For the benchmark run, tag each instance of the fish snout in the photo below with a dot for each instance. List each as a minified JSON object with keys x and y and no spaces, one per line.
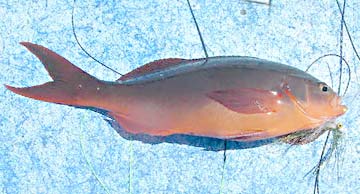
{"x":336,"y":103}
{"x":342,"y":109}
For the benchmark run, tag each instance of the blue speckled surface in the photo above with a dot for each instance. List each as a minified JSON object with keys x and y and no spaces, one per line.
{"x":40,"y":149}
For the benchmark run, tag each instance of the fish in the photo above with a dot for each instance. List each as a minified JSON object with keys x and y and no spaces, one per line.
{"x":226,"y":97}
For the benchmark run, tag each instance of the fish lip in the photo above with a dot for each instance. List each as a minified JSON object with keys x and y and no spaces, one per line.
{"x":337,"y":103}
{"x":343,"y":109}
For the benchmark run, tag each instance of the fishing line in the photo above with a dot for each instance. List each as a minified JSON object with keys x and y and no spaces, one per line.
{"x":341,"y":45}
{"x":81,"y":135}
{"x":206,"y":57}
{"x":91,"y":166}
{"x":347,"y":30}
{"x":198,"y":30}
{"x":322,"y":159}
{"x":350,"y":39}
{"x":83,"y":49}
{"x":331,"y":76}
{"x":223,"y":168}
{"x":343,"y":59}
{"x":318,"y":166}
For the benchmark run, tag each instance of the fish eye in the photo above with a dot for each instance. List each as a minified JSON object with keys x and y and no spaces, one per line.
{"x":324,"y":88}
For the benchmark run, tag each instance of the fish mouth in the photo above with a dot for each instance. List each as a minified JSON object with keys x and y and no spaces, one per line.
{"x":342,"y":110}
{"x":339,"y":107}
{"x":337,"y":111}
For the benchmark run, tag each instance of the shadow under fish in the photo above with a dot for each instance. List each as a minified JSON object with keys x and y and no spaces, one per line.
{"x":207,"y":143}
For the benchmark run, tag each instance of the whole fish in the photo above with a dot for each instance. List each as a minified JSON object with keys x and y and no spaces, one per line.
{"x":238,"y":98}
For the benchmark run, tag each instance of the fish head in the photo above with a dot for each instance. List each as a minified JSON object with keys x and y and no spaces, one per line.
{"x":323,"y":101}
{"x":316,"y":99}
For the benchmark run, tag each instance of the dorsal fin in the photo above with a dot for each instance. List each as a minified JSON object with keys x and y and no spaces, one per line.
{"x":151,"y":67}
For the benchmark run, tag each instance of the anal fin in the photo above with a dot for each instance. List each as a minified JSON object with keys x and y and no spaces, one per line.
{"x":127,"y":123}
{"x":135,"y":127}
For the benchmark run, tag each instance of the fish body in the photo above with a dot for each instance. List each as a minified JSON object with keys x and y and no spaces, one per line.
{"x":239,"y":98}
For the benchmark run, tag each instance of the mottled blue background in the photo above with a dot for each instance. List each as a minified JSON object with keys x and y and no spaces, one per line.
{"x":40,"y":143}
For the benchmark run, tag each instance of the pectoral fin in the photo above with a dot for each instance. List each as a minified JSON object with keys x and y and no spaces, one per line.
{"x":248,"y":100}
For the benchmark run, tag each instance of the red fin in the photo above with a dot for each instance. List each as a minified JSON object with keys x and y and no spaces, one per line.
{"x":247,"y":100}
{"x":151,"y":67}
{"x":69,"y":81}
{"x":127,"y":124}
{"x":49,"y":92}
{"x":57,"y":66}
{"x":135,"y":127}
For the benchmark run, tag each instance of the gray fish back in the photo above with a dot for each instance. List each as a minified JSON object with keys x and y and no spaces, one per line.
{"x":217,"y":62}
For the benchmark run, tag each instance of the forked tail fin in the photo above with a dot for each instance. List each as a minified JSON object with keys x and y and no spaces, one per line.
{"x":70,"y":85}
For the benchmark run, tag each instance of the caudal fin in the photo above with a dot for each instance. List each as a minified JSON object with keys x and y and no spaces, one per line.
{"x":70,"y":84}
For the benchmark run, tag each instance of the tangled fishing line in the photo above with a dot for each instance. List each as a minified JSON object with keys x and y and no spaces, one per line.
{"x":334,"y":129}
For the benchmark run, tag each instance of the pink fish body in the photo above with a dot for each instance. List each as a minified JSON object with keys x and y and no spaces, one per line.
{"x":239,"y":98}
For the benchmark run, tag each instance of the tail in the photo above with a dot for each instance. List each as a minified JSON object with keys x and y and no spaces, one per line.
{"x":70,"y":85}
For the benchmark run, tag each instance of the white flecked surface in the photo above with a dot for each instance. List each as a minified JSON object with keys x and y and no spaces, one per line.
{"x":40,"y":148}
